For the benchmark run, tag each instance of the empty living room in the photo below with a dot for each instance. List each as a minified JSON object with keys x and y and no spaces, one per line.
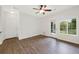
{"x":39,"y":29}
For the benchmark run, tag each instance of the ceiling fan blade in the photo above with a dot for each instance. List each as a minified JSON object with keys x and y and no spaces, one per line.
{"x":47,"y":10}
{"x":41,"y":6}
{"x":35,"y":9}
{"x":45,"y":6}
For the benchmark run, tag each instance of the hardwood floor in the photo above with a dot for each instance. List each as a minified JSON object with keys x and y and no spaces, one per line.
{"x":37,"y":45}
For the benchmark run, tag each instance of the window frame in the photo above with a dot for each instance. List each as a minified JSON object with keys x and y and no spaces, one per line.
{"x":67,"y":28}
{"x":53,"y":30}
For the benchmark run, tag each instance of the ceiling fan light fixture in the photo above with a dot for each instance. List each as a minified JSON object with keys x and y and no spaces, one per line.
{"x":41,"y":11}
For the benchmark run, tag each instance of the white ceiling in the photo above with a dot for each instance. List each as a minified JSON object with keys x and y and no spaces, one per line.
{"x":30,"y":11}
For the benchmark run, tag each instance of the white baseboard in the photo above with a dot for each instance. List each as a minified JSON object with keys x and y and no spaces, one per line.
{"x":68,"y":38}
{"x":23,"y":37}
{"x":1,"y":41}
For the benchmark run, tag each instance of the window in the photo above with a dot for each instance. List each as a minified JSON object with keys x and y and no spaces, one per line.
{"x":68,"y":27}
{"x":53,"y":27}
{"x":63,"y":27}
{"x":72,"y":27}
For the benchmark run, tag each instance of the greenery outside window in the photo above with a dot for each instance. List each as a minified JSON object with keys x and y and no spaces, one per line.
{"x":68,"y":27}
{"x":63,"y":27}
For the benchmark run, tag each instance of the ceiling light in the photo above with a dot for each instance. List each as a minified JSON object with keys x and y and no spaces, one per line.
{"x":12,"y":12}
{"x":41,"y":11}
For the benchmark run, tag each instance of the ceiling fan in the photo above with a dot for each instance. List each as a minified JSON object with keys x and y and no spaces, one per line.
{"x":42,"y":9}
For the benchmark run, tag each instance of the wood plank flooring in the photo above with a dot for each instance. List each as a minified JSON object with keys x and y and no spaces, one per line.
{"x":37,"y":45}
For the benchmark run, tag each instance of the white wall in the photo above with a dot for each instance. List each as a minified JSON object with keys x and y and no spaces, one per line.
{"x":1,"y":28}
{"x":0,"y":19}
{"x":29,"y":26}
{"x":10,"y":22}
{"x":18,"y":24}
{"x":68,"y":13}
{"x":24,"y":26}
